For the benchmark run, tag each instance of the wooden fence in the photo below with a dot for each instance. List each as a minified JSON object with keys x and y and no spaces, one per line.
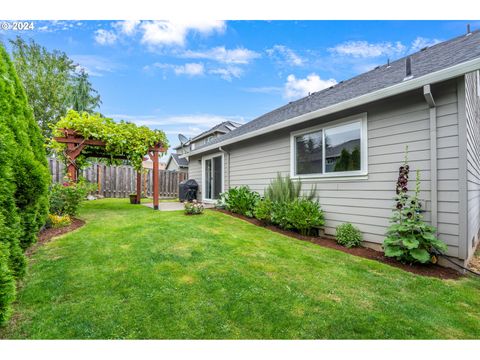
{"x":120,"y":181}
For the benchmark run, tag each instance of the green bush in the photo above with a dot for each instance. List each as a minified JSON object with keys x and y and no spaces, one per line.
{"x":65,"y":198}
{"x":304,"y":215}
{"x":240,"y":200}
{"x":24,"y":181}
{"x":193,"y":208}
{"x":409,"y":239}
{"x":284,"y":189}
{"x":263,"y":211}
{"x":348,"y":235}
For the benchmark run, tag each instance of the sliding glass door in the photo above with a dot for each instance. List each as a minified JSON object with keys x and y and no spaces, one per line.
{"x":212,"y":177}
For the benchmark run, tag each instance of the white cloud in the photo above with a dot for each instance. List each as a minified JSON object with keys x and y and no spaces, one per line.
{"x":364,"y":49}
{"x":296,"y":88}
{"x":190,"y":69}
{"x":283,"y":54}
{"x":421,"y":42}
{"x":223,"y":55}
{"x":127,"y":27}
{"x":228,"y":73}
{"x":95,"y":65}
{"x":180,"y":122}
{"x":167,"y":33}
{"x":105,"y":37}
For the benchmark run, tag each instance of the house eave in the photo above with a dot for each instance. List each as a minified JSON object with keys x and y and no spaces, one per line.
{"x":405,"y":86}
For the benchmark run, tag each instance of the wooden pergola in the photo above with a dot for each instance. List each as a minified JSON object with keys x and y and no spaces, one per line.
{"x":76,"y":143}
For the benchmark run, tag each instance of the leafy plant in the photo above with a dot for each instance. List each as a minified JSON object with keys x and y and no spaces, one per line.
{"x":263,"y":211}
{"x":121,"y":138}
{"x":65,"y":198}
{"x":348,"y":235}
{"x":240,"y":200}
{"x":304,"y":215}
{"x":284,"y":189}
{"x":58,"y":221}
{"x":409,"y":238}
{"x":193,"y":208}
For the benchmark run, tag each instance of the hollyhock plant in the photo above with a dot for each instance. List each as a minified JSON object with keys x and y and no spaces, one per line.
{"x":409,"y":238}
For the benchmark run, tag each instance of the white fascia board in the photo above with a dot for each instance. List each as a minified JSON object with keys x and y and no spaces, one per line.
{"x":435,"y":77}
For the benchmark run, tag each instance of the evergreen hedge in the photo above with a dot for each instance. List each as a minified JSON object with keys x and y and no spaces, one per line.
{"x":24,"y":181}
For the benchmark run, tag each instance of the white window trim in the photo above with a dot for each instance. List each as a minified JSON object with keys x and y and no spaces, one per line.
{"x":341,"y":175}
{"x":206,"y":157}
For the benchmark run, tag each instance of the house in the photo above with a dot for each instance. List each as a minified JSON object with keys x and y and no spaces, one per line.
{"x":177,"y":163}
{"x":428,"y":101}
{"x":148,"y":164}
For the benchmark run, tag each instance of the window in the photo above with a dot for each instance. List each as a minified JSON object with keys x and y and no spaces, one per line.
{"x":336,"y":149}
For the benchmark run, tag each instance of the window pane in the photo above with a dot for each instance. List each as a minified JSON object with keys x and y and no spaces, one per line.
{"x":342,"y":148}
{"x":309,"y":153}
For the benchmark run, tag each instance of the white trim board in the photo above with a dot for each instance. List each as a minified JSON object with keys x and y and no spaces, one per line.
{"x":207,"y":157}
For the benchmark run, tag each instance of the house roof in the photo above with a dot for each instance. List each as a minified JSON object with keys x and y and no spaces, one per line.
{"x":181,"y":162}
{"x":428,"y":61}
{"x":223,"y":127}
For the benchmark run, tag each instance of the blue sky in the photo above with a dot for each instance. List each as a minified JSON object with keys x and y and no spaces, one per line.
{"x":184,"y":77}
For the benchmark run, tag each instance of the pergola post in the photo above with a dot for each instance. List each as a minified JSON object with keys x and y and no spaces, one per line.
{"x":139,"y":187}
{"x":155,"y":178}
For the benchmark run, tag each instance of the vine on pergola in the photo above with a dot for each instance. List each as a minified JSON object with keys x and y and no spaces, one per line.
{"x":122,"y":139}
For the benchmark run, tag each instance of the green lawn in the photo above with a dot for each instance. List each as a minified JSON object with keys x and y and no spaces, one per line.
{"x":135,"y":273}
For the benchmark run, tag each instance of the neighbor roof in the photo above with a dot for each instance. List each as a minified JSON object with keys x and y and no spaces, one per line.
{"x":181,"y":162}
{"x":223,"y":127}
{"x":424,"y":62}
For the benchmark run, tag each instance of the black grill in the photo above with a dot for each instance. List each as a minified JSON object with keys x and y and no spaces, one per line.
{"x":187,"y":190}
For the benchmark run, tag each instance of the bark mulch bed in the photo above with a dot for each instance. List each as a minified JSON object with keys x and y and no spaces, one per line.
{"x":367,"y":253}
{"x":48,"y":234}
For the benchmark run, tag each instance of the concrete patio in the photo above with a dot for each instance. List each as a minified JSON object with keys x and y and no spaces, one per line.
{"x":173,"y":206}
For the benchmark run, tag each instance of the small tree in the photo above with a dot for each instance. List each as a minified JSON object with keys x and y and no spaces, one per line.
{"x":409,"y":238}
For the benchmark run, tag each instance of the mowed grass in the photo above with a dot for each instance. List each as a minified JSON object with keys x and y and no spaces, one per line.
{"x":135,"y":273}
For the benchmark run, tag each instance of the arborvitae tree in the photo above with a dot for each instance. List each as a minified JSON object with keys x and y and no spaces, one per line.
{"x":24,"y":181}
{"x":343,"y":161}
{"x":355,"y":159}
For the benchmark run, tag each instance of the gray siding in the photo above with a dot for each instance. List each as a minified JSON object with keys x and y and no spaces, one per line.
{"x":392,"y":124}
{"x":472,"y":111}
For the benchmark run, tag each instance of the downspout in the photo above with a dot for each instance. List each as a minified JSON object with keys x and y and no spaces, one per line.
{"x":427,"y":93}
{"x":228,"y":165}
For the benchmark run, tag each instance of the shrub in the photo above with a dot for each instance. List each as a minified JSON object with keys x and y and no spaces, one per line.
{"x":65,"y":198}
{"x":409,"y":238}
{"x":284,"y":189}
{"x":24,"y":181}
{"x":263,"y":211}
{"x":240,"y":200}
{"x":304,"y":215}
{"x":58,"y":221}
{"x":348,"y":235}
{"x":193,"y":208}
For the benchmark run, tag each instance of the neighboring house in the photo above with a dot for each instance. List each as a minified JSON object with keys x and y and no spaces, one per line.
{"x":148,"y":164}
{"x":428,"y":101}
{"x":175,"y":162}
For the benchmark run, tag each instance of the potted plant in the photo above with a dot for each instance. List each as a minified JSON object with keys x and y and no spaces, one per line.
{"x":133,"y":199}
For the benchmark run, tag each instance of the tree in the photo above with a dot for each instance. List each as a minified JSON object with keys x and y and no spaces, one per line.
{"x":52,"y":83}
{"x":343,"y":162}
{"x":46,"y":78}
{"x":83,"y":96}
{"x":24,"y":180}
